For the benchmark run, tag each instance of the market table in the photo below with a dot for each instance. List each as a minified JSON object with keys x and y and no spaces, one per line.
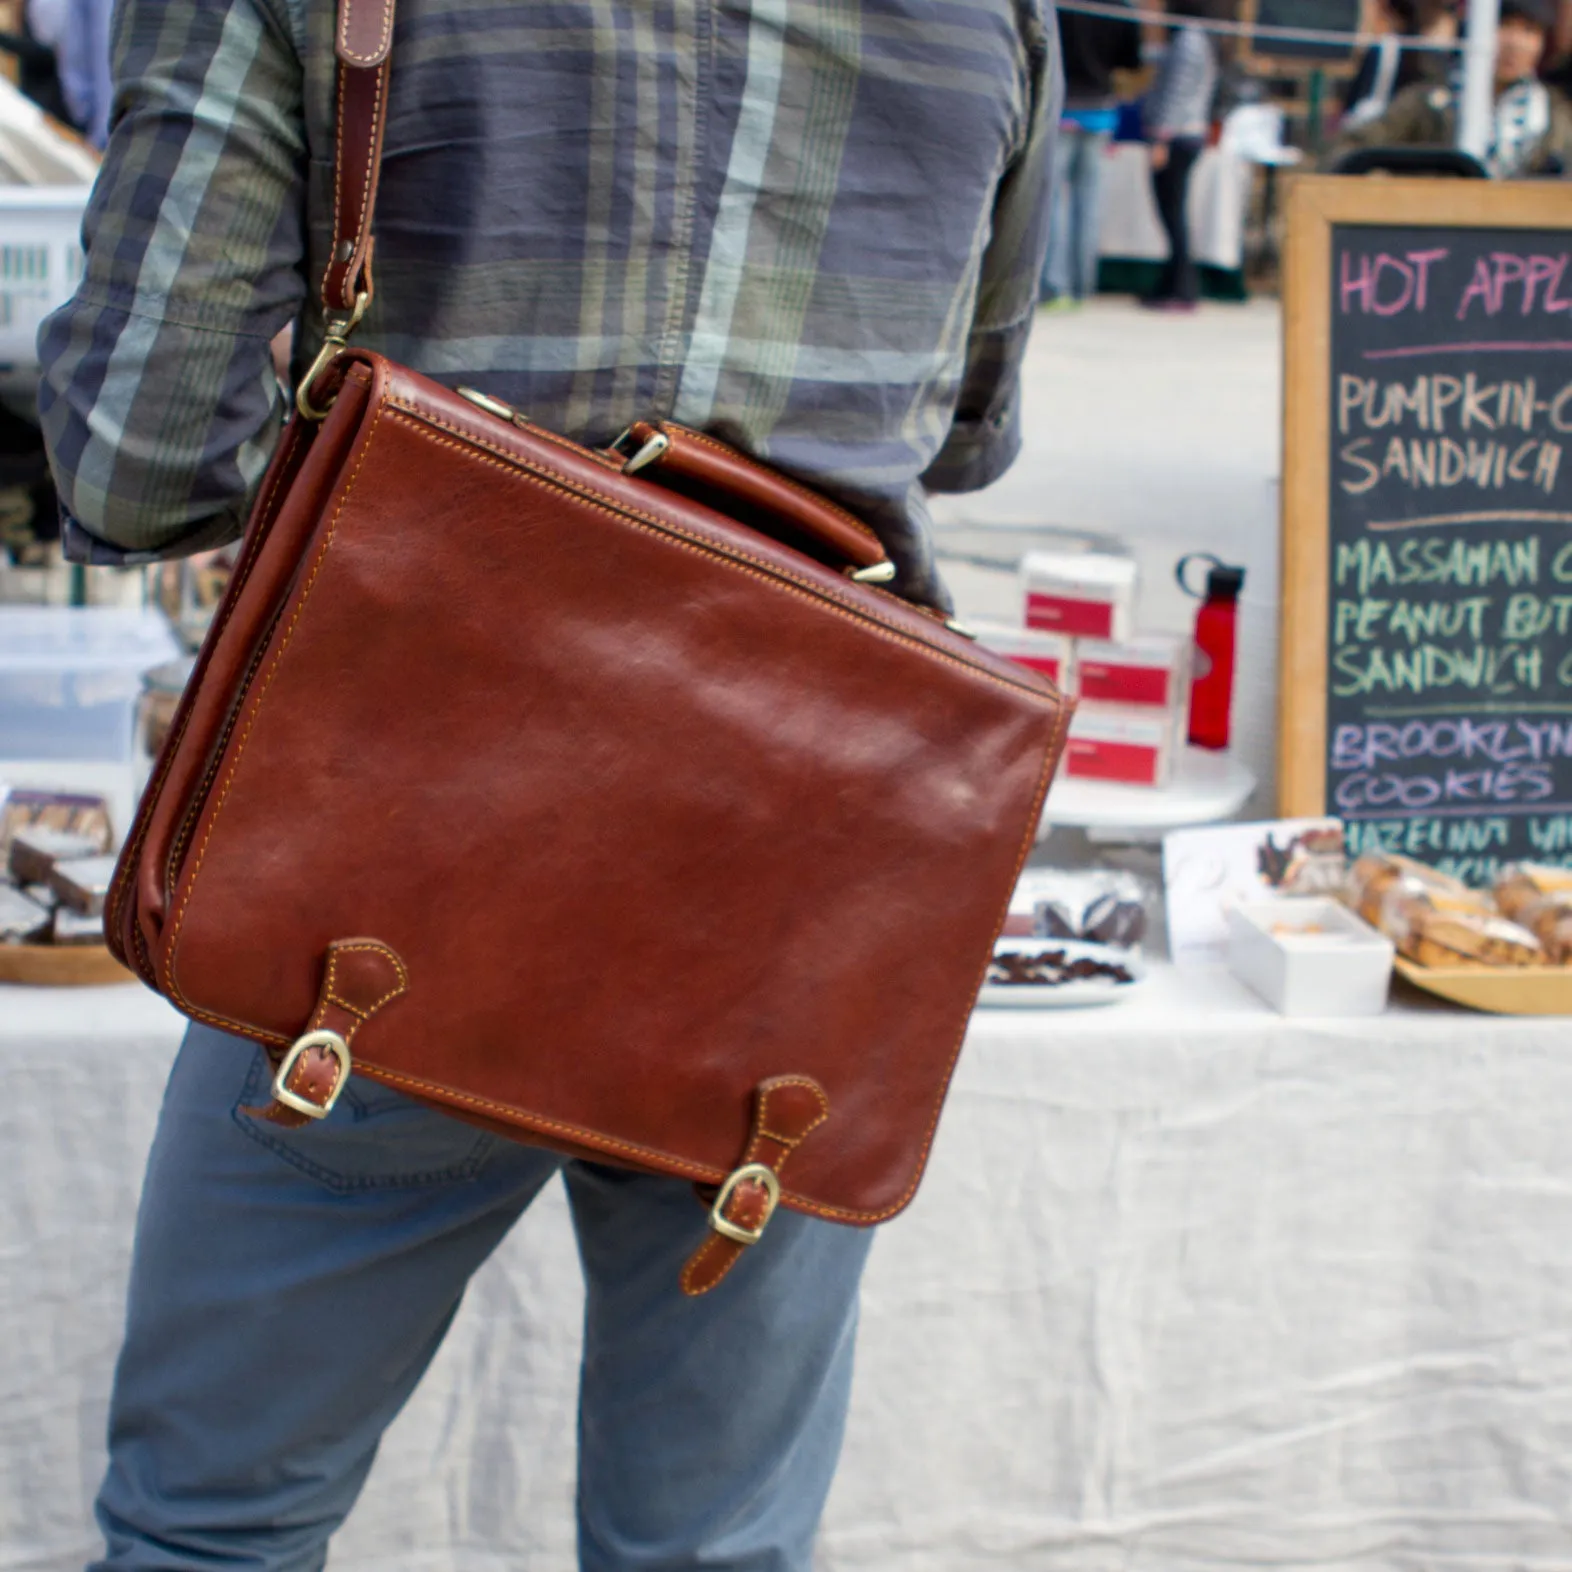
{"x":1129,"y":230}
{"x":1188,"y":1287}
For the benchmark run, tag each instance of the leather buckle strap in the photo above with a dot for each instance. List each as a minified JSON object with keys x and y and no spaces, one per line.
{"x":315,"y":1096}
{"x":749,"y":1173}
{"x":786,"y":1109}
{"x":360,"y":978}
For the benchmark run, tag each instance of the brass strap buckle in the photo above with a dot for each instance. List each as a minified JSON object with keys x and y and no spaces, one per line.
{"x":333,"y":345}
{"x":772,"y":1194}
{"x":336,"y":1046}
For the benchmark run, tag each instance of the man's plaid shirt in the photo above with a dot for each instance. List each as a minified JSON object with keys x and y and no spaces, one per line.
{"x":812,"y":228}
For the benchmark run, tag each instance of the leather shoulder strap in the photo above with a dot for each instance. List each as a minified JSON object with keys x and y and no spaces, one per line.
{"x":364,"y":46}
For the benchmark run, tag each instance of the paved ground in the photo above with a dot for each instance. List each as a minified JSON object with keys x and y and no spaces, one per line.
{"x":1164,"y":430}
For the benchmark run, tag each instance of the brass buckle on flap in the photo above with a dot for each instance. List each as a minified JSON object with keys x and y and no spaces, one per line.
{"x":336,"y":1046}
{"x":772,"y":1195}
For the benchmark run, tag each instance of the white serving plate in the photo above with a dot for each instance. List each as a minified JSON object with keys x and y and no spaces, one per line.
{"x":1065,"y":996}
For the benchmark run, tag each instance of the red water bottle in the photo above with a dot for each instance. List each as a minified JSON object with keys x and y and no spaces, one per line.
{"x":1212,"y":680}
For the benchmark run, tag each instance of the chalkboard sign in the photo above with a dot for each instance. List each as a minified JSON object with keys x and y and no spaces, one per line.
{"x":1427,"y":518}
{"x":1330,"y":16}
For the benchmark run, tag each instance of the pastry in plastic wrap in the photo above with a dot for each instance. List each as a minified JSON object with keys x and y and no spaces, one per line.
{"x":78,"y":813}
{"x":1550,"y":921}
{"x":1101,"y":905}
{"x":1375,"y":875}
{"x":22,"y":921}
{"x":71,"y":927}
{"x":83,"y":884}
{"x":1432,"y":936}
{"x":1540,"y":899}
{"x":37,"y":850}
{"x":1524,"y":884}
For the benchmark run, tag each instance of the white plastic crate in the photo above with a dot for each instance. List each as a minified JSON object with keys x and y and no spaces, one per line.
{"x":40,"y":262}
{"x":70,"y":677}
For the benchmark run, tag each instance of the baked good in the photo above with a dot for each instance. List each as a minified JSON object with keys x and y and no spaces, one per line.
{"x":1375,"y":874}
{"x":37,"y":849}
{"x":71,"y":927}
{"x":1459,"y":938}
{"x":83,"y":883}
{"x":80,"y":813}
{"x":22,"y":920}
{"x":1114,"y":919}
{"x":1539,"y":897}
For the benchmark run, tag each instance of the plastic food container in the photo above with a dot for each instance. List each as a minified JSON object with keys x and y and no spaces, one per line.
{"x":40,"y":262}
{"x":1309,"y":956}
{"x":69,"y":680}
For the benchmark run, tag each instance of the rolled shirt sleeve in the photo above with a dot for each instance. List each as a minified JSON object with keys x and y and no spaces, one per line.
{"x":985,"y":435}
{"x":158,"y":400}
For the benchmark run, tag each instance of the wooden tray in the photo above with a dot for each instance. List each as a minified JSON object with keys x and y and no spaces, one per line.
{"x":61,"y":965}
{"x":1501,"y":990}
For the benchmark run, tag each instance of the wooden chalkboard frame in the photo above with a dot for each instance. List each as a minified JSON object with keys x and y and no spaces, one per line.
{"x":1315,"y":204}
{"x":1261,"y":56}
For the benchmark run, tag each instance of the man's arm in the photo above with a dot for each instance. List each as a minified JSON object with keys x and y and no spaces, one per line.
{"x":159,"y":403}
{"x":985,"y":435}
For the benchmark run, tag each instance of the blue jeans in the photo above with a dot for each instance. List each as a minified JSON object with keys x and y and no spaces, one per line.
{"x":289,"y":1288}
{"x":1071,"y":265}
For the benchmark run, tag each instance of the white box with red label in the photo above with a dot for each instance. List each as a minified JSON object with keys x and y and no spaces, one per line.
{"x":1151,"y":672}
{"x":1110,"y":742}
{"x":1048,"y":653}
{"x":1084,"y":594}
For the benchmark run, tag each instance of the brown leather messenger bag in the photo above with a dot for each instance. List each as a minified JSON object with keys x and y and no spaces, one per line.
{"x":643,"y":824}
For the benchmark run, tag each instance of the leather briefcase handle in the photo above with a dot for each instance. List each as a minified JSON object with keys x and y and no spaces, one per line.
{"x":363,"y":44}
{"x":677,"y":453}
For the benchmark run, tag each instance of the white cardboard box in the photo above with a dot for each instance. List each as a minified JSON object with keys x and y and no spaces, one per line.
{"x":1085,"y":594}
{"x":1116,"y":742}
{"x":1047,"y":653}
{"x":1309,"y":955}
{"x":1149,"y":671}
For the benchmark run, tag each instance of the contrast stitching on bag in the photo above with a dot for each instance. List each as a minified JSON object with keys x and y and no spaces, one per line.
{"x":328,"y":993}
{"x":343,"y":35}
{"x":199,"y":797}
{"x":525,"y":424}
{"x":698,"y":545}
{"x":715,"y":551}
{"x":699,"y":1267}
{"x":338,"y":178}
{"x":532,"y":1121}
{"x":802,"y":491}
{"x":256,"y":710}
{"x":144,"y":827}
{"x":1061,"y":726}
{"x":373,"y":158}
{"x":582,"y":488}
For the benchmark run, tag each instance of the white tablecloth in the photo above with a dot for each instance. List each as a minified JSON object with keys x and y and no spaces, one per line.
{"x":1130,"y":229}
{"x":1188,"y":1287}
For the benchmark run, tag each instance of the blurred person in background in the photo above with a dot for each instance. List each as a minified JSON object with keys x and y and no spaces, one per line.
{"x":38,"y":72}
{"x":1530,"y":127}
{"x":78,"y":32}
{"x":1177,"y":117}
{"x":1389,"y":67}
{"x":1093,"y":48}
